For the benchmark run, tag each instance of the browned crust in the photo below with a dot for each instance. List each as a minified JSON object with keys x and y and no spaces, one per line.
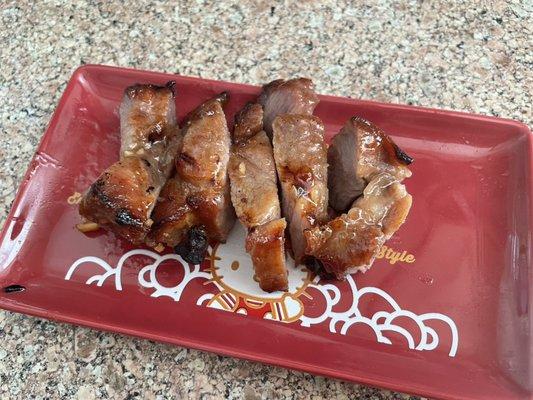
{"x":174,"y":214}
{"x":248,"y":122}
{"x":182,"y":206}
{"x":205,"y":108}
{"x":106,"y":204}
{"x":266,"y":245}
{"x":393,"y":154}
{"x":303,"y":84}
{"x":145,"y":92}
{"x":358,"y":245}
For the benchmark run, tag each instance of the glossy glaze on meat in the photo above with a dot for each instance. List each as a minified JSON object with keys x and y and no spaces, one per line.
{"x":355,"y":155}
{"x":386,"y":203}
{"x":254,"y":194}
{"x":252,"y":172}
{"x":351,"y":241}
{"x":301,"y":161}
{"x":123,"y":197}
{"x":266,"y":245}
{"x":364,"y":176}
{"x":147,"y":115}
{"x":182,"y":205}
{"x":294,"y":96}
{"x":248,"y":122}
{"x":198,"y":194}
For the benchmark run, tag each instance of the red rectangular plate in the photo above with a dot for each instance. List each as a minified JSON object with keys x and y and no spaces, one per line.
{"x":445,"y":312}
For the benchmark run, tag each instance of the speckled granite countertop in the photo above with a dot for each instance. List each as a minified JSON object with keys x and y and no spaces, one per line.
{"x":475,"y":58}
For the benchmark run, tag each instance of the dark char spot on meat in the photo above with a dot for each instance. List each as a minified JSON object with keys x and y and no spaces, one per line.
{"x":402,"y":156}
{"x":124,"y":217}
{"x":194,"y":247}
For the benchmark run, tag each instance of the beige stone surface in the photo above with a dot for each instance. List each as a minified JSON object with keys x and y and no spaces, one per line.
{"x":470,"y":56}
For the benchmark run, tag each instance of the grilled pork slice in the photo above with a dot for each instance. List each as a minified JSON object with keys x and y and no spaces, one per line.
{"x":254,"y":194}
{"x":182,"y":205}
{"x":147,"y":116}
{"x":198,"y":195}
{"x":266,"y":245}
{"x":356,"y":154}
{"x":301,"y":161}
{"x":295,"y":96}
{"x":351,"y":241}
{"x":252,"y":172}
{"x":123,"y":197}
{"x":206,"y":143}
{"x":343,"y":245}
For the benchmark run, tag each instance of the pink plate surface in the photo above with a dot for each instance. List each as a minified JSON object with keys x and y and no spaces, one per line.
{"x":445,"y":312}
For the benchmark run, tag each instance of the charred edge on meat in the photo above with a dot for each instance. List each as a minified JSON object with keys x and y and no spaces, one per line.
{"x":97,"y":190}
{"x":193,"y":247}
{"x":401,"y":155}
{"x":171,"y":85}
{"x":138,"y":88}
{"x":223,"y":97}
{"x":124,"y":217}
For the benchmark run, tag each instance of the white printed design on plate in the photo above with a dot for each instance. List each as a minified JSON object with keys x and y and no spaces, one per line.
{"x":237,"y":292}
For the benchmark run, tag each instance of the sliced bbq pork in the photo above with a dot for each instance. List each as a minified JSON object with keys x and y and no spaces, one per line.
{"x":123,"y":197}
{"x":301,"y":162}
{"x":294,"y":96}
{"x":197,"y":196}
{"x":266,"y":245}
{"x":351,"y":241}
{"x":252,"y":171}
{"x":359,"y":151}
{"x":145,"y":113}
{"x":365,"y":172}
{"x":254,"y":194}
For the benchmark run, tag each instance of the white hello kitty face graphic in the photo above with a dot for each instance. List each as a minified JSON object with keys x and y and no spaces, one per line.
{"x":233,"y":270}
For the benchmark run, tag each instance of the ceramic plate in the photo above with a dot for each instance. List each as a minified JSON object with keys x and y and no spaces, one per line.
{"x":444,"y":312}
